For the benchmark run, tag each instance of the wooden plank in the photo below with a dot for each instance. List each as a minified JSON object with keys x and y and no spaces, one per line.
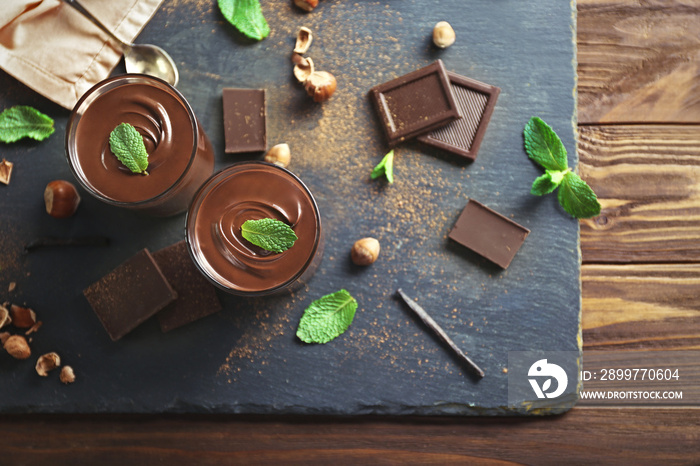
{"x":638,"y":61}
{"x":583,"y":436}
{"x":641,"y":306}
{"x":648,"y":181}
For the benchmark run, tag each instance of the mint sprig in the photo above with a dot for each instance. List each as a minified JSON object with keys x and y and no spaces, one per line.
{"x":385,"y":168}
{"x":327,"y":318}
{"x":544,"y":147}
{"x":127,"y":145}
{"x":23,"y":121}
{"x":269,"y":234}
{"x":246,"y":16}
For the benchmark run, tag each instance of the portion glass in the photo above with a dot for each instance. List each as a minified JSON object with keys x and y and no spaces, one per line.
{"x":253,"y":191}
{"x":180,"y":155}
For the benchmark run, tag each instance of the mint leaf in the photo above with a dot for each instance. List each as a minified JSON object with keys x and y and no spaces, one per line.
{"x":327,"y":317}
{"x":544,"y":146}
{"x":127,"y":145}
{"x":543,"y":185}
{"x":385,"y":168}
{"x":246,"y":16}
{"x":269,"y":234}
{"x":548,"y":182}
{"x":577,"y":198}
{"x":23,"y":121}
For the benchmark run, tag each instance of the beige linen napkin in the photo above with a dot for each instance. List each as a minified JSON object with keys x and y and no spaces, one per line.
{"x":56,"y":51}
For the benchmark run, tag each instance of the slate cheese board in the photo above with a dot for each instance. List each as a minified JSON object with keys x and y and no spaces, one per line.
{"x":246,"y":358}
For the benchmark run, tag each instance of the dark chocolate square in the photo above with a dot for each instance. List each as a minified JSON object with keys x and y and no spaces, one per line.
{"x":129,"y":294}
{"x":196,"y":297}
{"x":488,"y":233}
{"x":245,"y":127}
{"x":415,"y":103}
{"x":475,"y":102}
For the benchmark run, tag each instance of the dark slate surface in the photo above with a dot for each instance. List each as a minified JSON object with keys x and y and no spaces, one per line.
{"x":246,"y":358}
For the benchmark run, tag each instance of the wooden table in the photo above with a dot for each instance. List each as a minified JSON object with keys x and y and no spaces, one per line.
{"x":639,"y":111}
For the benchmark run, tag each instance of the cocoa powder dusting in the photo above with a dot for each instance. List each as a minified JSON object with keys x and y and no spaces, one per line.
{"x":334,"y":146}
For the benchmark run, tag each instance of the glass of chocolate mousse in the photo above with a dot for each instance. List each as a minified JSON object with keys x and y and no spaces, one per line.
{"x":253,"y":191}
{"x":180,"y":156}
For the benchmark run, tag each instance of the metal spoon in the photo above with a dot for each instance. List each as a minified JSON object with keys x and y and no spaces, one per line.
{"x":146,"y":59}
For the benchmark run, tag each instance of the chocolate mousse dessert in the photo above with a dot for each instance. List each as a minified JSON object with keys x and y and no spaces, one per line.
{"x":180,"y":156}
{"x":253,"y":191}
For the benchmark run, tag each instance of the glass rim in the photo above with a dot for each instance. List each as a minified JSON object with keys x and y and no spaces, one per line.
{"x":108,"y":85}
{"x":191,"y":216}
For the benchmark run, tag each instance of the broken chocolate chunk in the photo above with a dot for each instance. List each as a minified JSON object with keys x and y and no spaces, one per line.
{"x":488,"y":233}
{"x":415,"y":103}
{"x":475,"y":102}
{"x":245,"y":127}
{"x":196,"y":297}
{"x":130,"y":294}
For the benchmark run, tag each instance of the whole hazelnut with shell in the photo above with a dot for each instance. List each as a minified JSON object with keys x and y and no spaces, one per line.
{"x":61,"y":198}
{"x":320,"y":85}
{"x":365,"y":251}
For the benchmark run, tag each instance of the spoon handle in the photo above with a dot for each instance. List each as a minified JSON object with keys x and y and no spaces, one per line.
{"x":75,"y":4}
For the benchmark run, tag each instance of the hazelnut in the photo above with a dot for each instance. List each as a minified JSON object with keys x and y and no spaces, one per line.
{"x":443,"y":35}
{"x":304,"y":39}
{"x":306,"y":5}
{"x":61,"y":198}
{"x":18,"y":347}
{"x":320,"y":85}
{"x":365,"y":251}
{"x":279,"y":155}
{"x":22,"y":317}
{"x":303,"y":67}
{"x":3,"y":337}
{"x":67,"y":375}
{"x":5,"y":318}
{"x":47,"y":362}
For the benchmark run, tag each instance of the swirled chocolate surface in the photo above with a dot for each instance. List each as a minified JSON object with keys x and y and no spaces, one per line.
{"x":168,"y":134}
{"x":252,"y":191}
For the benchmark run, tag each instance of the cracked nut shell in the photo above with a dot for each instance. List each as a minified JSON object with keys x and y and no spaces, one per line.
{"x":22,"y":317}
{"x":304,"y":39}
{"x":5,"y":318}
{"x":365,"y":251}
{"x":46,"y":363}
{"x":303,"y":67}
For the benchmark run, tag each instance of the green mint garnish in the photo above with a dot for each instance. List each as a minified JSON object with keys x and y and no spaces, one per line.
{"x":246,"y":16}
{"x":327,"y":317}
{"x":385,"y":168}
{"x":269,"y":234}
{"x":544,"y":147}
{"x":577,"y":198}
{"x":23,"y":121}
{"x":127,"y":144}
